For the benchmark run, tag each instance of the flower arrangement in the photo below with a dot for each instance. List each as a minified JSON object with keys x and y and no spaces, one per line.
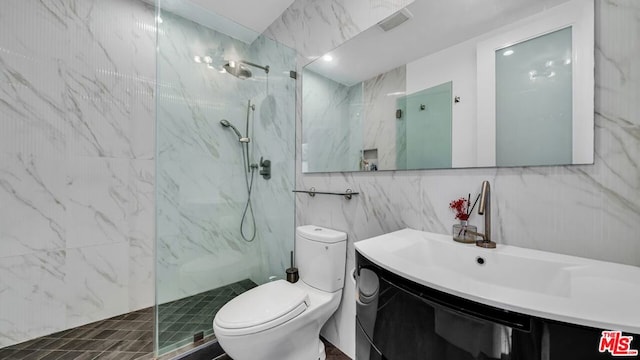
{"x":461,"y":208}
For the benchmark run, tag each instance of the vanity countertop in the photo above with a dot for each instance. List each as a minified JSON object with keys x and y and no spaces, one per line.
{"x":559,"y":287}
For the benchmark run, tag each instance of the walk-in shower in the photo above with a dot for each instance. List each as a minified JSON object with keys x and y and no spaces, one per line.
{"x":221,"y":229}
{"x":249,"y":174}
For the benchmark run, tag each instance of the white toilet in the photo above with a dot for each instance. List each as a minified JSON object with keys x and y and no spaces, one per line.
{"x":280,"y":320}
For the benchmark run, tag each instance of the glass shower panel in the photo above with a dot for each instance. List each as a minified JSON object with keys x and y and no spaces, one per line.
{"x":534,"y":101}
{"x":202,"y":260}
{"x":428,"y":128}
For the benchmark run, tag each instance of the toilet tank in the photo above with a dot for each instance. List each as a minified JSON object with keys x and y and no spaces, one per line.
{"x":320,"y":257}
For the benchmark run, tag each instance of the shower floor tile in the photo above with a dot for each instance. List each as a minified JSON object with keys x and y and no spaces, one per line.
{"x":180,"y":320}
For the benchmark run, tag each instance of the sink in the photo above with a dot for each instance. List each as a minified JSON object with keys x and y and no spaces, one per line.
{"x":537,"y":276}
{"x":554,"y":286}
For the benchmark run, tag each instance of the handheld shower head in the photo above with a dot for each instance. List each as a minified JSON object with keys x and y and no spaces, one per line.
{"x":227,"y":124}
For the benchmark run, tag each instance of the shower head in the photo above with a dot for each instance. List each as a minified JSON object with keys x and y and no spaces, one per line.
{"x":236,"y":69}
{"x":227,"y":124}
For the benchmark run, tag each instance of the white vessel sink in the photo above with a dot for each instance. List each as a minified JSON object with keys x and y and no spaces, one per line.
{"x":553,"y":286}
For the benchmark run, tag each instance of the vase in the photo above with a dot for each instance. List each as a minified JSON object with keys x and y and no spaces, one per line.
{"x":461,"y":234}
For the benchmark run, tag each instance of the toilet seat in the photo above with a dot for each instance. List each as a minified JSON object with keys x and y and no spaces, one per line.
{"x":261,"y":308}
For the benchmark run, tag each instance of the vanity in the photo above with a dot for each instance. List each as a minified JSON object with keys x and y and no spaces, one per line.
{"x":422,"y":296}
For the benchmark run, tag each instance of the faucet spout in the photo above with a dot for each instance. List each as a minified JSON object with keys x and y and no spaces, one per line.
{"x":485,"y":209}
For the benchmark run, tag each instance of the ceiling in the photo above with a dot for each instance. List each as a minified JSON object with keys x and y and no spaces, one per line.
{"x":241,"y":19}
{"x":257,"y":15}
{"x":435,"y":25}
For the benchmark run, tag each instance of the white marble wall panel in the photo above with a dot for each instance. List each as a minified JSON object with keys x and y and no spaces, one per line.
{"x":379,"y":114}
{"x":142,"y":235}
{"x":77,"y":111}
{"x":327,"y":128}
{"x":32,"y":295}
{"x":32,"y":203}
{"x":591,"y":211}
{"x":96,"y":283}
{"x":99,"y":194}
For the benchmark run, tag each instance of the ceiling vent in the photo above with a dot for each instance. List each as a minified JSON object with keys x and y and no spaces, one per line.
{"x":395,"y":20}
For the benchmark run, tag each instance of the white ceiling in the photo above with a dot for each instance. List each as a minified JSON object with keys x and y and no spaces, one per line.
{"x":241,"y":19}
{"x":256,"y":15}
{"x":436,"y":25}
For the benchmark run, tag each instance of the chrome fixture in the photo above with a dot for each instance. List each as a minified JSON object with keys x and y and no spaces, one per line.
{"x":249,"y":174}
{"x":485,"y":209}
{"x":226,"y":123}
{"x":237,"y":68}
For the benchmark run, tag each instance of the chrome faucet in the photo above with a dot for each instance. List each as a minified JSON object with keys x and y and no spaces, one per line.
{"x":485,"y":209}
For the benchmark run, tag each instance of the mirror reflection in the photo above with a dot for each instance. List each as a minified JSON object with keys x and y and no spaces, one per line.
{"x":511,"y":84}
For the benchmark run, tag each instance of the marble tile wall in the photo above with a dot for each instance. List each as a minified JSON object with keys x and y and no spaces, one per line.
{"x":591,"y":211}
{"x":76,"y":163}
{"x":379,"y":124}
{"x":344,"y":124}
{"x":329,"y":119}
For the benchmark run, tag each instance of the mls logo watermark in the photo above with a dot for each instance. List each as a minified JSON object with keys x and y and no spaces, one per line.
{"x":616,"y":344}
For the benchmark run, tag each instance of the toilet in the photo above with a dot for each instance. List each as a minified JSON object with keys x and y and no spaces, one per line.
{"x":280,"y":320}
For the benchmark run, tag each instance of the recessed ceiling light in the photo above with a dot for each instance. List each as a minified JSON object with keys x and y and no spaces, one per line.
{"x":508,"y":52}
{"x":197,"y":59}
{"x":327,"y":58}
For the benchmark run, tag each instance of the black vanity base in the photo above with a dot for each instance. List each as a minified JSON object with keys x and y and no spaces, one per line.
{"x":398,"y":319}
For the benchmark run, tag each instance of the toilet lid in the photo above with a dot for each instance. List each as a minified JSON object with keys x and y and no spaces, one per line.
{"x":261,"y":308}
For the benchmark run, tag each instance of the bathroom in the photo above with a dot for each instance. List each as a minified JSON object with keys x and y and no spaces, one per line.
{"x":96,"y":186}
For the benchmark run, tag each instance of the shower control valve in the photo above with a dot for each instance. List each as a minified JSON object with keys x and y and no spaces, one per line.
{"x":266,"y":168}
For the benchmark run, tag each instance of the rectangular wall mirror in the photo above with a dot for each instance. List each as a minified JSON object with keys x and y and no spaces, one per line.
{"x":510,"y":84}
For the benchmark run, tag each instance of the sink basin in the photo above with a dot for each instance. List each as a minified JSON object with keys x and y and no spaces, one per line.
{"x":536,"y":276}
{"x":558,"y":287}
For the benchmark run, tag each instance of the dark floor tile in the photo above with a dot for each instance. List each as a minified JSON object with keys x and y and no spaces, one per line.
{"x":24,"y":345}
{"x":141,"y":356}
{"x":68,"y":355}
{"x":75,"y":344}
{"x":7,"y":353}
{"x":137,"y":335}
{"x":100,"y":334}
{"x":130,"y":346}
{"x":116,"y":355}
{"x":333,"y":353}
{"x":53,"y":355}
{"x":86,"y":355}
{"x":45,"y":344}
{"x":130,"y":336}
{"x":76,"y":333}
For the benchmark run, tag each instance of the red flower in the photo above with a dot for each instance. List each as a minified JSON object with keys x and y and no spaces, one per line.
{"x":460,"y":206}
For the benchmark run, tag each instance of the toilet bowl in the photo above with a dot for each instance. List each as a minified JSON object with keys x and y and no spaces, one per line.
{"x":280,"y":320}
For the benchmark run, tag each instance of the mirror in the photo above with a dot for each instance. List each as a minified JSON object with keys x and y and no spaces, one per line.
{"x":509,"y":84}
